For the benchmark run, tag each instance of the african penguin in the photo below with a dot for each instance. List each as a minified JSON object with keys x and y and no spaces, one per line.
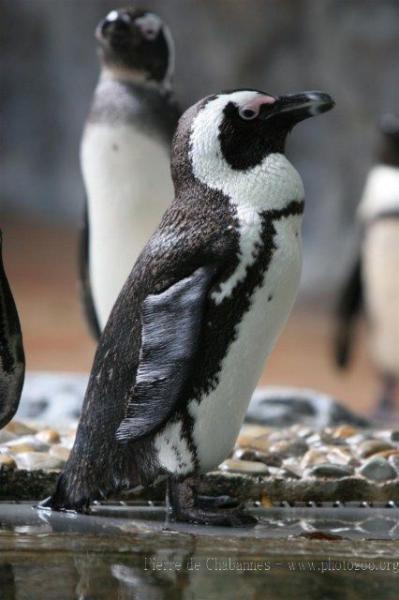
{"x":12,"y":360}
{"x":125,"y":153}
{"x":189,"y":334}
{"x":373,"y":283}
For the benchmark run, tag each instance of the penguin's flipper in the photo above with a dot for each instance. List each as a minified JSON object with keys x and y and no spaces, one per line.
{"x":348,"y":307}
{"x":12,"y":359}
{"x":171,"y":324}
{"x":86,"y":295}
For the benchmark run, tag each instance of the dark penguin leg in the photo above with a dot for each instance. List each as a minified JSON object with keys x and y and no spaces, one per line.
{"x":386,"y":401}
{"x":186,"y":508}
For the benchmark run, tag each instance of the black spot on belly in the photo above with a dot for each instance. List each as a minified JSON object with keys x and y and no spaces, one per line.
{"x":270,"y":298}
{"x":115,"y":147}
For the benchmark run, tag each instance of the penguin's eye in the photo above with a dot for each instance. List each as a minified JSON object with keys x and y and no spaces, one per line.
{"x":248,"y":113}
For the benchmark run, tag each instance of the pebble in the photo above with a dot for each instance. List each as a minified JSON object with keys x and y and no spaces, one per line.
{"x":17,"y":449}
{"x":31,"y":461}
{"x":344,"y":431}
{"x":323,"y":438}
{"x":7,"y":463}
{"x":244,"y":466}
{"x":272,"y":460}
{"x":250,"y":432}
{"x":49,"y":436}
{"x":18,"y":428}
{"x":388,"y":453}
{"x":261,"y":443}
{"x":342,"y":456}
{"x":6,"y":436}
{"x":244,"y":454}
{"x":378,"y":469}
{"x":328,"y":470}
{"x":356,"y":440}
{"x":292,"y":471}
{"x":287,"y":448}
{"x":370,"y":447}
{"x":27,"y":440}
{"x":300,"y":430}
{"x":59,"y":451}
{"x":313,"y":457}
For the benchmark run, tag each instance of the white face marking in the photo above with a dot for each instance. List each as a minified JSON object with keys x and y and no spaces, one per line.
{"x":149,"y":25}
{"x":112,"y":16}
{"x":173,"y":452}
{"x":381,"y":192}
{"x":125,"y":203}
{"x":272,"y":184}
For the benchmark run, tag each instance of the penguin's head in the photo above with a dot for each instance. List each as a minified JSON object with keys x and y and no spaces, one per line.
{"x":234,"y":132}
{"x":389,"y":144}
{"x":137,"y":43}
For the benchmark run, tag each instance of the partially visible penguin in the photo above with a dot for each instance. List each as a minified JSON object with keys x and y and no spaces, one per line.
{"x":188,"y":337}
{"x":12,"y":359}
{"x":125,"y":153}
{"x":373,"y":284}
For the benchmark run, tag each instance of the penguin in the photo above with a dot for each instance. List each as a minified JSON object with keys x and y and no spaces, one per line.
{"x":125,"y":154}
{"x":12,"y":359}
{"x":372,"y":284}
{"x":187,"y":339}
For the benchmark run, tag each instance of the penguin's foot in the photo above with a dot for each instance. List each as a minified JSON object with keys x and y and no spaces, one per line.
{"x":48,"y":506}
{"x":186,"y":506}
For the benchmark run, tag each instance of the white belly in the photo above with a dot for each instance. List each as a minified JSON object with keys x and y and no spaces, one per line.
{"x":128,"y":186}
{"x":381,"y":281}
{"x":219,"y":415}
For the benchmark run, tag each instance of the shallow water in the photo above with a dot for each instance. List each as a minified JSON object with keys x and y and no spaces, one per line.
{"x":123,"y":552}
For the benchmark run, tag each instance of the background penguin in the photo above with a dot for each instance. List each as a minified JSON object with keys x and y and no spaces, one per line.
{"x":373,"y":283}
{"x":12,"y":360}
{"x":201,"y":310}
{"x":125,"y":153}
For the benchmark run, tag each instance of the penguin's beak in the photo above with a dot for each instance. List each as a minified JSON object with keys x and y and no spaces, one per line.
{"x":297,"y":107}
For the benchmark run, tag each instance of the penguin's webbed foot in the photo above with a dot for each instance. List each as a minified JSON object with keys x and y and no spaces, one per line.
{"x":188,"y":507}
{"x":49,"y":505}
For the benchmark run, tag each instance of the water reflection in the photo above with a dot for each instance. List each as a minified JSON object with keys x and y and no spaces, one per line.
{"x":94,"y":558}
{"x":92,"y":576}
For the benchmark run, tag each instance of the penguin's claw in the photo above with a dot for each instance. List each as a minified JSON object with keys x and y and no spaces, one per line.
{"x":44,"y":505}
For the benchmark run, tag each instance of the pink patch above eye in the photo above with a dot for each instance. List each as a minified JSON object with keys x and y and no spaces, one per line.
{"x":257,"y":102}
